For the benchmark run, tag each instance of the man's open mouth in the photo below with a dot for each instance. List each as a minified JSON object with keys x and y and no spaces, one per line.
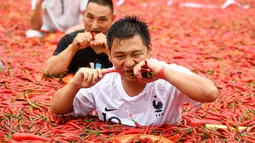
{"x":129,"y":72}
{"x":95,"y":32}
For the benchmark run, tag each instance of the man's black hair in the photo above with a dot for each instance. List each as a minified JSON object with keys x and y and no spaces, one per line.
{"x":108,"y":3}
{"x":128,"y":27}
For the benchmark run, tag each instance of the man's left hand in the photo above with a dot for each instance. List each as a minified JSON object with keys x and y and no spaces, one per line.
{"x":153,"y":64}
{"x":99,"y":44}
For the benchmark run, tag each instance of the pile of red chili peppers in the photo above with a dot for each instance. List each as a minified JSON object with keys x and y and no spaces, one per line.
{"x":215,"y":43}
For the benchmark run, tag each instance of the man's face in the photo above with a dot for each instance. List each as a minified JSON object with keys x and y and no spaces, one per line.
{"x":97,"y":18}
{"x":125,"y":54}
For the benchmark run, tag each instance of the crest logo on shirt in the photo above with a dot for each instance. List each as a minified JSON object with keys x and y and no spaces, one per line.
{"x":158,"y":105}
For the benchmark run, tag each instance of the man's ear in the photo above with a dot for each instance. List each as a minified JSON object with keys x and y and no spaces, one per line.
{"x":108,"y":51}
{"x":150,"y":51}
{"x":113,"y":17}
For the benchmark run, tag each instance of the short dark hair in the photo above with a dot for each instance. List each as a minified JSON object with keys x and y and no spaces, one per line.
{"x":108,"y":3}
{"x":128,"y":27}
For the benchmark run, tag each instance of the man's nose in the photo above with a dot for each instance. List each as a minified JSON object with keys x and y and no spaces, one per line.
{"x":95,"y":25}
{"x":129,"y":63}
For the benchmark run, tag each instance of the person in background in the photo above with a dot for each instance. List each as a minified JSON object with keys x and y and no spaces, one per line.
{"x":56,"y":15}
{"x":84,"y":48}
{"x":131,"y":94}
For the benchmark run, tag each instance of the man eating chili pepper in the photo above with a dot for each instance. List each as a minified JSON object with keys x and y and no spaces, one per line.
{"x":84,"y":48}
{"x":154,"y":98}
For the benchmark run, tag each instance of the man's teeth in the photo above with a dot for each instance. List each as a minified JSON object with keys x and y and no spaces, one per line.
{"x":130,"y":73}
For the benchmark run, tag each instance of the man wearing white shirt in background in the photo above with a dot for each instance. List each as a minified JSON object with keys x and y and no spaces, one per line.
{"x":56,"y":15}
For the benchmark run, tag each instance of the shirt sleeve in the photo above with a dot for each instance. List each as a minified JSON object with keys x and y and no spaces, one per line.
{"x":193,"y":103}
{"x":83,"y":103}
{"x":83,"y":5}
{"x":33,"y":4}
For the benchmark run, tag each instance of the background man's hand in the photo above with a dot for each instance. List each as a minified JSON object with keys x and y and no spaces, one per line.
{"x":82,"y":40}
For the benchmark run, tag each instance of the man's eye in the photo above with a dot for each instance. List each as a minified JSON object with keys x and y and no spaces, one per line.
{"x":136,"y":55}
{"x":90,"y":17}
{"x":119,"y":57}
{"x":102,"y":19}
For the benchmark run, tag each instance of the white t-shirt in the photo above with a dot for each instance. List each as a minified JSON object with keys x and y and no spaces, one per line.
{"x":61,"y":14}
{"x":160,"y":102}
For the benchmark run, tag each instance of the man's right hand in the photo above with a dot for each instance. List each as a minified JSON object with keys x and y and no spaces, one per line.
{"x":82,"y":40}
{"x":87,"y":77}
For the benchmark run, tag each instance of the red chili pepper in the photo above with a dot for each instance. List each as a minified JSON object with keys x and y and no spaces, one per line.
{"x":29,"y":67}
{"x":27,"y":136}
{"x":93,"y":35}
{"x":136,"y":124}
{"x":3,"y":80}
{"x":138,"y":139}
{"x":196,"y":121}
{"x":132,"y":131}
{"x":249,"y":139}
{"x":106,"y":71}
{"x":74,"y":125}
{"x":147,"y":129}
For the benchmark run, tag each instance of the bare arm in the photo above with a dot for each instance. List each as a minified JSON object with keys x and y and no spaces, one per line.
{"x":57,"y":65}
{"x":37,"y":16}
{"x":195,"y":87}
{"x":63,"y":100}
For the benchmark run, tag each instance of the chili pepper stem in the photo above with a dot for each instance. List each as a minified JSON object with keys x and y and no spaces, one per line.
{"x":211,"y":126}
{"x":30,"y":103}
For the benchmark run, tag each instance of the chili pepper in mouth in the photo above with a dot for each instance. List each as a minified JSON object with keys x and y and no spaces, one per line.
{"x":109,"y":71}
{"x":131,"y":73}
{"x":146,"y":72}
{"x":93,"y":35}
